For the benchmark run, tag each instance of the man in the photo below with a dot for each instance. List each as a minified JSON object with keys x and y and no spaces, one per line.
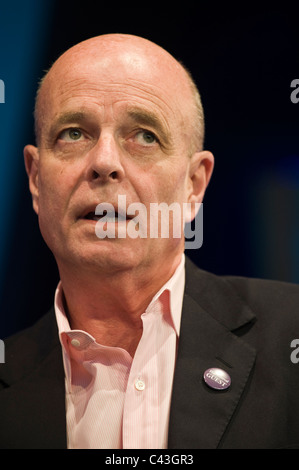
{"x":142,"y":349}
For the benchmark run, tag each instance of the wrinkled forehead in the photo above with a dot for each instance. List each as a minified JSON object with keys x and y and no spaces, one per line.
{"x":91,"y":69}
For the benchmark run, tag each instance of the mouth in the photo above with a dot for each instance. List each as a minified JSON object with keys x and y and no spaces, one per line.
{"x":113,"y":221}
{"x":106,"y":216}
{"x":106,"y":212}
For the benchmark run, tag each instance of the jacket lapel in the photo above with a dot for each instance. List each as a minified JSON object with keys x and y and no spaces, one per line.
{"x":211,"y":311}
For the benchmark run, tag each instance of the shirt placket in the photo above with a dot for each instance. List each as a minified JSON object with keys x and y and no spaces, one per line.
{"x":140,"y":418}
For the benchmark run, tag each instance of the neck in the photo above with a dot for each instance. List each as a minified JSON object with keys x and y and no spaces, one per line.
{"x":109,"y":305}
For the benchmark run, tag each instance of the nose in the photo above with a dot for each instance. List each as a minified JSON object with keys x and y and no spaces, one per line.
{"x":105,"y":162}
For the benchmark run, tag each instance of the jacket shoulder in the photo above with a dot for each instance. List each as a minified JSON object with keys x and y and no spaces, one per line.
{"x":275,"y":296}
{"x":28,"y":348}
{"x":268,"y":300}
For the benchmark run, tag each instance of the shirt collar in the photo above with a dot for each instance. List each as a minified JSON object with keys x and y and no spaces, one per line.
{"x":175,"y":286}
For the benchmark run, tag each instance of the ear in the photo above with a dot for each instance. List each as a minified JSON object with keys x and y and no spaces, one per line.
{"x":200,"y":172}
{"x":31,"y":158}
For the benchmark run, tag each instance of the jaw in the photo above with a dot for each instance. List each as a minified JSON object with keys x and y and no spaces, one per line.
{"x":84,"y":251}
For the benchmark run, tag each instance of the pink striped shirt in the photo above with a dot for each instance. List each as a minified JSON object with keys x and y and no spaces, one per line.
{"x":114,"y":401}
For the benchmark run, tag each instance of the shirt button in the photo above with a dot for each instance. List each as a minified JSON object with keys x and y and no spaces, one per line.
{"x":139,"y":385}
{"x":76,"y":343}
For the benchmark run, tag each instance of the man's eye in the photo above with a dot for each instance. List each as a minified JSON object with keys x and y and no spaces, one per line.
{"x":71,"y":135}
{"x":145,"y":138}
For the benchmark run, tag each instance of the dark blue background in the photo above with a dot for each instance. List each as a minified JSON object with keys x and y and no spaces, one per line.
{"x":243,"y":62}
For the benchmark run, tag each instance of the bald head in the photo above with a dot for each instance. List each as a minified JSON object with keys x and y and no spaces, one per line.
{"x":121,"y":57}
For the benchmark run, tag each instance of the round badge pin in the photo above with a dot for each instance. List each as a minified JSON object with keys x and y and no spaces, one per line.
{"x":217,"y":379}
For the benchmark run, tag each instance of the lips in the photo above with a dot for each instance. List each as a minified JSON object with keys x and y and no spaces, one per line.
{"x":107,"y":212}
{"x":109,"y":216}
{"x":92,"y":216}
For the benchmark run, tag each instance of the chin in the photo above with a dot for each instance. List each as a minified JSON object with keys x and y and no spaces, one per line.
{"x":105,"y":257}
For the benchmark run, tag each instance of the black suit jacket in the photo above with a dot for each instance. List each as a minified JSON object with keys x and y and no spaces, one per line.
{"x":244,"y":326}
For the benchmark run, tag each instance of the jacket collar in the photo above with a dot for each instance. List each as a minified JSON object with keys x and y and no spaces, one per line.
{"x":217,"y":296}
{"x":212,"y":310}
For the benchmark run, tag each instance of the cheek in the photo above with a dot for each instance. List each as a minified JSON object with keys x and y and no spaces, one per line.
{"x":162,"y":183}
{"x":53,"y":202}
{"x":173,"y":185}
{"x":54,"y":187}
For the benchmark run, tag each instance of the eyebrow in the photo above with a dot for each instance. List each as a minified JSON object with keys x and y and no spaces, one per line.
{"x":68,"y":117}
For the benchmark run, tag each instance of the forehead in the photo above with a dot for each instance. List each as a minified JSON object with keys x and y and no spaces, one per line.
{"x":113,"y":82}
{"x":95,"y":89}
